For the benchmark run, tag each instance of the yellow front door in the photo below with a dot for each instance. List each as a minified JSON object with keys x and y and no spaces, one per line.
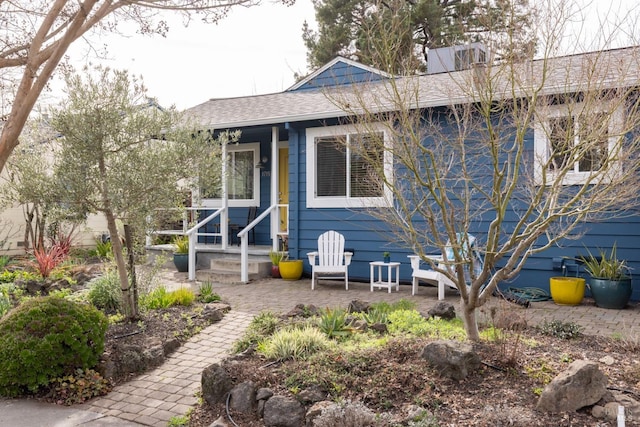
{"x":283,"y":187}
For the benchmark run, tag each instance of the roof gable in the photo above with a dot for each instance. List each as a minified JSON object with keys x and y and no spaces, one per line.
{"x":337,"y":72}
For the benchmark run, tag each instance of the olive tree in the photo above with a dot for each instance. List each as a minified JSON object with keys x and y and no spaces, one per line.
{"x":520,"y":153}
{"x":122,"y":155}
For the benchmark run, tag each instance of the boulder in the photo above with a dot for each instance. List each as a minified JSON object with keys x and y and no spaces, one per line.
{"x":358,"y":306}
{"x":452,"y":358}
{"x":312,"y":394}
{"x":443,"y":310}
{"x":316,"y":410}
{"x":582,"y":384}
{"x":212,"y":312}
{"x":608,"y":408}
{"x":243,"y":397}
{"x":280,"y":411}
{"x":216,"y":383}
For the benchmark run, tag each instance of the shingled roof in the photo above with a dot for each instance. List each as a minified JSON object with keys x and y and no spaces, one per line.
{"x":595,"y":70}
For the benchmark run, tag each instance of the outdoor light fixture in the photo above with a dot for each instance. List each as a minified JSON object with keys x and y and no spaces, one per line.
{"x":262,"y":163}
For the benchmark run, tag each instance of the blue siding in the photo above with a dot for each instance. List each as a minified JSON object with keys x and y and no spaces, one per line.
{"x":340,"y":74}
{"x":369,"y":237}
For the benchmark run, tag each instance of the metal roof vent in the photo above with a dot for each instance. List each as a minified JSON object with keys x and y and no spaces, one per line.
{"x":455,"y":58}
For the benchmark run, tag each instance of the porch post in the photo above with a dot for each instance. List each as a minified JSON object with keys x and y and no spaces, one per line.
{"x":224,"y":216}
{"x":275,"y":196}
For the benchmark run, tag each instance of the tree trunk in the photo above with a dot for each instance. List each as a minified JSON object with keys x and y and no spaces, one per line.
{"x":128,"y":238}
{"x":116,"y":244}
{"x":470,"y":320}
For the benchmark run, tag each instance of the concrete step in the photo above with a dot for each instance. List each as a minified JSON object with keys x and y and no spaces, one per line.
{"x":257,"y":266}
{"x":223,"y":276}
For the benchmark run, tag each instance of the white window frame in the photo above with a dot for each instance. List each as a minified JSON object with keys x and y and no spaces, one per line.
{"x":542,"y":146}
{"x":314,"y":201}
{"x":241,"y":203}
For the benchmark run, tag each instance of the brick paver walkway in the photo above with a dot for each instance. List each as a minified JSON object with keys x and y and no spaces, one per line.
{"x":154,"y":398}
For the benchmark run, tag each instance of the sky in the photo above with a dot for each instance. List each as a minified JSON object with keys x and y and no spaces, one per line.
{"x":252,"y":51}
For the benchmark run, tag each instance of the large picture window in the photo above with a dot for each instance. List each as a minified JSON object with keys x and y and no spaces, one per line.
{"x":340,"y":167}
{"x":574,"y":142}
{"x":242,"y":178}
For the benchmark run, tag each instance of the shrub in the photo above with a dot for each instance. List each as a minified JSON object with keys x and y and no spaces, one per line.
{"x":46,"y":338}
{"x":48,"y":259}
{"x":557,"y":328}
{"x":104,"y":291}
{"x":78,"y":387}
{"x":182,"y":296}
{"x":333,"y":323}
{"x":4,"y":261}
{"x":5,"y":303}
{"x":262,"y":326}
{"x":206,"y":293}
{"x":157,"y":298}
{"x":412,"y":322}
{"x":104,"y":249}
{"x":294,"y":343}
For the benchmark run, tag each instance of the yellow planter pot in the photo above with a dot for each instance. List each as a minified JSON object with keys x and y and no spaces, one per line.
{"x":291,"y":270}
{"x":567,"y":290}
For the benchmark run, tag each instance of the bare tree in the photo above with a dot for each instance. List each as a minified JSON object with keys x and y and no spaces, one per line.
{"x":37,"y":33}
{"x":520,"y":154}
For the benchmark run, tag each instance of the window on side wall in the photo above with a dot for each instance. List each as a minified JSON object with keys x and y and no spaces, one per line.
{"x":243,"y":179}
{"x":339,"y":167}
{"x":574,"y":141}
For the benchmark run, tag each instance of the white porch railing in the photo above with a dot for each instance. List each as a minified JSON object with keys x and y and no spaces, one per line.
{"x":193,"y":234}
{"x":244,"y":238}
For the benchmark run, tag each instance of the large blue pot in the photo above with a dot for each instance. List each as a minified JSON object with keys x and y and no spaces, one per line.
{"x":610,"y":293}
{"x":181,"y":261}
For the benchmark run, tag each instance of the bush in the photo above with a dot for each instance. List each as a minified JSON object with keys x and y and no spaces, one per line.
{"x":294,"y":343}
{"x":161,"y":298}
{"x":78,"y":387}
{"x":45,"y":338}
{"x":262,"y":326}
{"x":206,"y":293}
{"x":105,"y":293}
{"x":182,"y":296}
{"x":560,"y":329}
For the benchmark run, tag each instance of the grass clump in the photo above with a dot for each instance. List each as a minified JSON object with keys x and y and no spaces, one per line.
{"x":45,"y":338}
{"x":105,"y":293}
{"x":333,"y":323}
{"x":261,"y":327}
{"x":294,"y":343}
{"x":161,"y":298}
{"x":207,"y":294}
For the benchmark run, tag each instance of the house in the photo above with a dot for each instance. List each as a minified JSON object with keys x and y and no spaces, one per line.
{"x":302,"y":190}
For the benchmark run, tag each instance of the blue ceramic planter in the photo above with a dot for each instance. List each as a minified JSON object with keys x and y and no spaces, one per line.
{"x":610,"y":293}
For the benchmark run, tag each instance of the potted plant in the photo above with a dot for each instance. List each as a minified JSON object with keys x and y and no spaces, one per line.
{"x":291,"y":269}
{"x":181,"y":253}
{"x":610,"y":283}
{"x":386,"y":257}
{"x":276,"y":258}
{"x":567,"y":290}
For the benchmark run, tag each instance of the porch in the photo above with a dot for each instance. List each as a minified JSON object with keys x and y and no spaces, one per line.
{"x":215,"y":263}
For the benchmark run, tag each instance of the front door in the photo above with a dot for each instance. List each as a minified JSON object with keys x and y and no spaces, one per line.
{"x":283,"y":189}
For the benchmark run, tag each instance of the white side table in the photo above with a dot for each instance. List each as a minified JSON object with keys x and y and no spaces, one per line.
{"x":379,"y":283}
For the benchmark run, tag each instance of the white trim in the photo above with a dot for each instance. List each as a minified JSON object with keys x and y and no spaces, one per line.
{"x":344,"y":201}
{"x":333,"y":62}
{"x":542,"y":146}
{"x":241,"y":203}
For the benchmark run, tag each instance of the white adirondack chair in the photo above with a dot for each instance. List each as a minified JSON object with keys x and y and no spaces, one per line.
{"x":440,"y":279}
{"x":333,"y":261}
